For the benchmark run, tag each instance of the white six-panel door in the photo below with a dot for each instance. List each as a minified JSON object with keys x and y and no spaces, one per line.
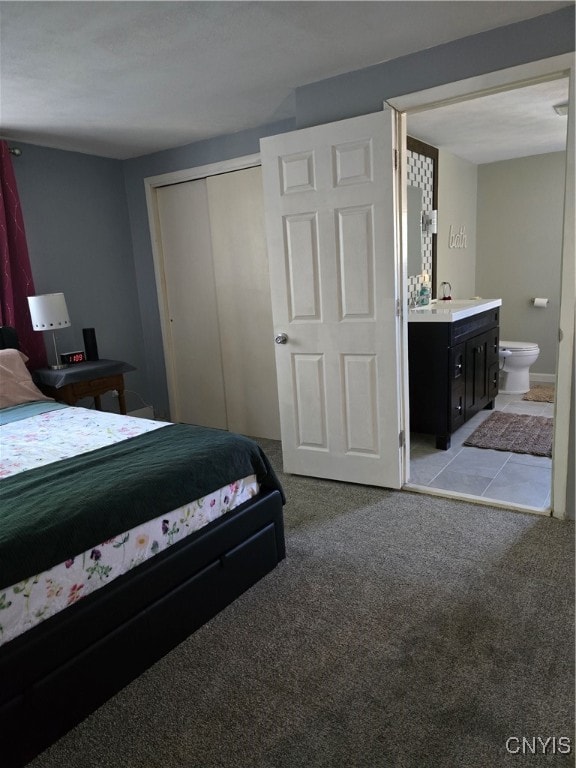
{"x":332,"y":240}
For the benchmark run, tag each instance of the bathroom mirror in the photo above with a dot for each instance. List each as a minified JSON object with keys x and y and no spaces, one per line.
{"x":414,"y":230}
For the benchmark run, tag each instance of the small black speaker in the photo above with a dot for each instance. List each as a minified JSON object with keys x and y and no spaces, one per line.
{"x":90,"y":346}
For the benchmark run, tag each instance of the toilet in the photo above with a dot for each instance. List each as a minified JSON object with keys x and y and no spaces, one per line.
{"x":516,"y":357}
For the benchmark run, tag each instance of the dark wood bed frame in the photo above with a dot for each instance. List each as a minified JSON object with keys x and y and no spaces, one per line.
{"x":57,"y":673}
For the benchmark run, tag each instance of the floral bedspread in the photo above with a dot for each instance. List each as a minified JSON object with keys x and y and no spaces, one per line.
{"x":54,"y":435}
{"x":63,"y":433}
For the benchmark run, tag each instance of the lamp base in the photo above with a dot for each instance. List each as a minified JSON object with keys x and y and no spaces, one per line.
{"x":58,"y":367}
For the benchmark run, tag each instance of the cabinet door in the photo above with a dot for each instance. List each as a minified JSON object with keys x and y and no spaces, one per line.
{"x":478,"y":352}
{"x":493,"y":363}
{"x":457,"y":375}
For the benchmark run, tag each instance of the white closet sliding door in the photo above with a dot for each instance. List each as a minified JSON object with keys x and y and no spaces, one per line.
{"x":221,"y":354}
{"x":244,"y":305}
{"x":193,"y":348}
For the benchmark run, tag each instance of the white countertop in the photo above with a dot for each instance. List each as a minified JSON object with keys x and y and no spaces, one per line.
{"x":439,"y":311}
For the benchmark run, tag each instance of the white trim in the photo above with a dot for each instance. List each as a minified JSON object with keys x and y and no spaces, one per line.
{"x":543,"y":378}
{"x":480,"y":500}
{"x":151,"y":184}
{"x":202,"y":171}
{"x":401,"y":258}
{"x":507,"y":79}
{"x":564,"y":408}
{"x":143,"y":413}
{"x":482,"y":85}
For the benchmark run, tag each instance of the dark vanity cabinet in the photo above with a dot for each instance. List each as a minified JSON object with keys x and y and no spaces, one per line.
{"x":453,"y":371}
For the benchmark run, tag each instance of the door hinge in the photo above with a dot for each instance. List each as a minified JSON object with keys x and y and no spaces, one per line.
{"x":398,"y":307}
{"x":401,"y":439}
{"x":395,"y":159}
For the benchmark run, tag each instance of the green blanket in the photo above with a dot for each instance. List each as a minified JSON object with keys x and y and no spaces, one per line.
{"x":52,"y":513}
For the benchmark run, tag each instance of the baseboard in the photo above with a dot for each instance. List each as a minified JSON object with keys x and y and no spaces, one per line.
{"x":543,"y":378}
{"x":143,"y":413}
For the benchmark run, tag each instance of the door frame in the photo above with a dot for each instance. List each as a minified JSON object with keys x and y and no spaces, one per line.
{"x":503,"y":80}
{"x":151,"y":185}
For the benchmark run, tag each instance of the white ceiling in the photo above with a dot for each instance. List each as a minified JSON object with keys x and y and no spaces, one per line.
{"x":123,"y":79}
{"x":500,"y":126}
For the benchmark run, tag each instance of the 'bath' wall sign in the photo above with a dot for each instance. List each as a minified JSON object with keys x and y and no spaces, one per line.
{"x":457,"y":239}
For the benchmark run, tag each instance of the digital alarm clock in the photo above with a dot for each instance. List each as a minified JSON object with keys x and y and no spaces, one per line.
{"x":69,"y":358}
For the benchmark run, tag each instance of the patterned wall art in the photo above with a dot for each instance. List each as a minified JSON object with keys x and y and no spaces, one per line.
{"x":421,"y":170}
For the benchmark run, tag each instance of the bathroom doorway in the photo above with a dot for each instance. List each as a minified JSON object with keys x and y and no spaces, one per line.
{"x":515,"y":480}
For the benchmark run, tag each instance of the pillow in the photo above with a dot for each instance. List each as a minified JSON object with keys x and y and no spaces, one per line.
{"x":16,"y":385}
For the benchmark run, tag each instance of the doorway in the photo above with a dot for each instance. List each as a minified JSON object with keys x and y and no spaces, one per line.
{"x":565,"y":356}
{"x":440,"y":465}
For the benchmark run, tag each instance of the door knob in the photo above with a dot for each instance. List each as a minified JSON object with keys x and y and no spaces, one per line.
{"x":281,"y":338}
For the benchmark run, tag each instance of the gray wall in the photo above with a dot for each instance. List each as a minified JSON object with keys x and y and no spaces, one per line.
{"x":363,"y":91}
{"x":355,"y":93}
{"x":75,"y":210}
{"x":78,"y":234}
{"x":519,"y":247}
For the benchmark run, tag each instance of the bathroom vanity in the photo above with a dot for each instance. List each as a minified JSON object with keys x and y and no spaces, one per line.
{"x":453,"y":364}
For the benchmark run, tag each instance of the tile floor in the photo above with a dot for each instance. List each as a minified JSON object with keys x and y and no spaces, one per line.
{"x":497,"y":475}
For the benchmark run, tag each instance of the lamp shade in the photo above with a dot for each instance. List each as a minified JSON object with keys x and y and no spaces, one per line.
{"x":48,"y":312}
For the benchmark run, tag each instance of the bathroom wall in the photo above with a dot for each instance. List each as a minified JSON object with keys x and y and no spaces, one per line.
{"x":519,"y":245}
{"x":456,"y":245}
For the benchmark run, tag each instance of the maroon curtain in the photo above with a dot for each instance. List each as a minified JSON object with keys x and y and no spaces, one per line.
{"x":16,"y":281}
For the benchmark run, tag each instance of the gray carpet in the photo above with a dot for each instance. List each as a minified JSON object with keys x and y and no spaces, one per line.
{"x":402,"y":631}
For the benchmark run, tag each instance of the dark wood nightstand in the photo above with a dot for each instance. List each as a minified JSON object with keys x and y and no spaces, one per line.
{"x":90,"y":379}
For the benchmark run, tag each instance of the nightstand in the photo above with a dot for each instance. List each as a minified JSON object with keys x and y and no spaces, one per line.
{"x":90,"y":379}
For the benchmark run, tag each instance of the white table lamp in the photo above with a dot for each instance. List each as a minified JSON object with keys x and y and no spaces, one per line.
{"x":49,"y":313}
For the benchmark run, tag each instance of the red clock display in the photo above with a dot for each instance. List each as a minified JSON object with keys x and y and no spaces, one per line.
{"x":69,"y":358}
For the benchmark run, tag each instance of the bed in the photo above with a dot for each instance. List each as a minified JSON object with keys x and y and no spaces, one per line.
{"x":119,"y":537}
